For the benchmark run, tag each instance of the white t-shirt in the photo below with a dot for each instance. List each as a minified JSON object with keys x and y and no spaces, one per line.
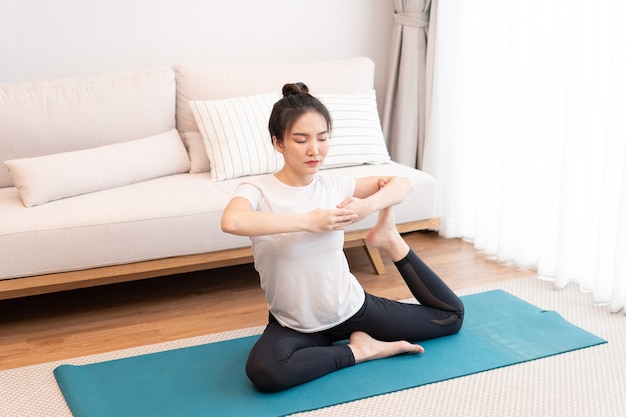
{"x":305,"y":276}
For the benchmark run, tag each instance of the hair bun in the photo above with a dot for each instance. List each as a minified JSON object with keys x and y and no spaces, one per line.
{"x":295,"y":88}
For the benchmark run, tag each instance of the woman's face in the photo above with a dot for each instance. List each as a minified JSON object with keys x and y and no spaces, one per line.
{"x":306,"y":145}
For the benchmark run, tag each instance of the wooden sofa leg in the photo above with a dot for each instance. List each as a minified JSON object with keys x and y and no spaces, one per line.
{"x":375,"y":259}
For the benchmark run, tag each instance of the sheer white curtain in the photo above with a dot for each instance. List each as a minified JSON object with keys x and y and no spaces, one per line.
{"x":526,"y":135}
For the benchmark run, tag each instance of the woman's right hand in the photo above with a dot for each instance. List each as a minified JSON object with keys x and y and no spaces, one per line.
{"x":328,"y":220}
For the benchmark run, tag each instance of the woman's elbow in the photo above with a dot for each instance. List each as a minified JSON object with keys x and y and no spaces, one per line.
{"x":228,"y":224}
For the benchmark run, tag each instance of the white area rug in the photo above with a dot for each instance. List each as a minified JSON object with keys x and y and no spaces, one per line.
{"x":588,"y":382}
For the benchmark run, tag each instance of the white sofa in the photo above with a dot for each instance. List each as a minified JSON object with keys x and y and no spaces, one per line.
{"x":105,"y":177}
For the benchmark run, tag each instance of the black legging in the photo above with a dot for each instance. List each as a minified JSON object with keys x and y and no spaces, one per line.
{"x":283,"y":357}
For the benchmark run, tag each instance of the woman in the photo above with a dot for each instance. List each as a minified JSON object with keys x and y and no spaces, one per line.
{"x":295,"y":219}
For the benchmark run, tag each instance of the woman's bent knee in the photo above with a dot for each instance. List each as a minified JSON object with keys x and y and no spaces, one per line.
{"x":453,"y":323}
{"x":266,"y":377}
{"x":459,"y":314}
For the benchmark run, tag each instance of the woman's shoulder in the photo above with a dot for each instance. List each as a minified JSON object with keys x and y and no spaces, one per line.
{"x":258,"y":181}
{"x":253,"y":185}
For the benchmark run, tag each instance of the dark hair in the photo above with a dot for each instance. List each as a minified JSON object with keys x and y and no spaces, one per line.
{"x":295,"y":102}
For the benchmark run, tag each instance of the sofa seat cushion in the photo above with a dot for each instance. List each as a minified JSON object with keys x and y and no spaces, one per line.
{"x":164,"y":217}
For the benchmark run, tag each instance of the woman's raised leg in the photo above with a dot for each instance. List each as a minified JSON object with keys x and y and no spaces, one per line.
{"x":425,"y":285}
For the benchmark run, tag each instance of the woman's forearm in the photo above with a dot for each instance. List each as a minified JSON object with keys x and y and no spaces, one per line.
{"x":239,"y":219}
{"x":257,"y":223}
{"x":392,"y":193}
{"x":376,"y":193}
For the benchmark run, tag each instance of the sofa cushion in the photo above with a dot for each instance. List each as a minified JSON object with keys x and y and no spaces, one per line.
{"x":236,"y":137}
{"x":168,"y":216}
{"x":52,"y":177}
{"x":160,"y":218}
{"x":219,"y":81}
{"x":68,"y":114}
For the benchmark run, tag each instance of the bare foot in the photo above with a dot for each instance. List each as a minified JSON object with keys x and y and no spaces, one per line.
{"x":366,"y":348}
{"x":385,"y":235}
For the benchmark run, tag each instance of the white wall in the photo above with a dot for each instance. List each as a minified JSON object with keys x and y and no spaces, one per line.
{"x":57,"y":38}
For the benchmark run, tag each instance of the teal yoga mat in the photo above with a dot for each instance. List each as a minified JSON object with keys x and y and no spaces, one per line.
{"x":209,"y":380}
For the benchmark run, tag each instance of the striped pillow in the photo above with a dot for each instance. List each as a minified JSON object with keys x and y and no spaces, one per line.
{"x":238,"y":143}
{"x":357,"y":137}
{"x":236,"y":137}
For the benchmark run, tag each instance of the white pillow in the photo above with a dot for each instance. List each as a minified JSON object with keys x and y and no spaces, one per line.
{"x":52,"y":177}
{"x":236,"y":136}
{"x":357,"y":137}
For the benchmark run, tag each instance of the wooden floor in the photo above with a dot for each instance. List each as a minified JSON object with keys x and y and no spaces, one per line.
{"x":82,"y":322}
